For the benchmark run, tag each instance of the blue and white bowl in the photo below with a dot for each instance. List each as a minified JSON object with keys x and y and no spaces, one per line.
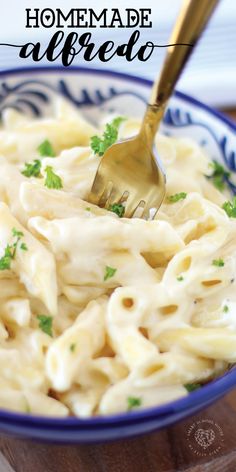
{"x":95,"y":92}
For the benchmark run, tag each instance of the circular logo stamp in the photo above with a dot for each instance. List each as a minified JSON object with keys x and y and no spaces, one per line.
{"x":205,"y":437}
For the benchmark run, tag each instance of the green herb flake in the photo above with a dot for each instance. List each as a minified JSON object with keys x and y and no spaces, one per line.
{"x":177,"y":197}
{"x":32,"y":169}
{"x":23,"y":247}
{"x":192,"y":387}
{"x":109,"y":137}
{"x":133,"y":402}
{"x":218,"y":263}
{"x":17,"y":233}
{"x":109,"y":272}
{"x":45,"y":324}
{"x":52,"y":180}
{"x":73,"y":347}
{"x":230,"y":208}
{"x":225,"y":309}
{"x":45,"y":149}
{"x":5,"y":261}
{"x":180,"y":278}
{"x":88,"y":209}
{"x":117,"y":208}
{"x":10,"y":250}
{"x":219,"y":175}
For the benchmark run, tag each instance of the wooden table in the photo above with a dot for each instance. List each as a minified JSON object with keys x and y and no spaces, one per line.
{"x":174,"y":449}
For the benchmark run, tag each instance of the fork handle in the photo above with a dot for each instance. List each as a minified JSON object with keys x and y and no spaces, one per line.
{"x":192,"y":19}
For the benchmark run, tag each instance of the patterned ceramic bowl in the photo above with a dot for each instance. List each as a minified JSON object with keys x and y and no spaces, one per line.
{"x":95,"y":92}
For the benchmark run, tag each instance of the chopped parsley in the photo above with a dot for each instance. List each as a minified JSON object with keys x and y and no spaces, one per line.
{"x":109,"y":272}
{"x":88,"y":209}
{"x":52,"y":180}
{"x":5,"y":261}
{"x":45,"y":324}
{"x":192,"y":387}
{"x":32,"y":169}
{"x":225,"y":309}
{"x":23,"y":247}
{"x":17,"y":233}
{"x":45,"y":149}
{"x":230,"y":208}
{"x":73,"y":347}
{"x":180,"y":278}
{"x":177,"y":197}
{"x":10,"y":250}
{"x":218,"y":263}
{"x":133,"y":402}
{"x":117,"y":208}
{"x":109,"y":137}
{"x":219,"y":175}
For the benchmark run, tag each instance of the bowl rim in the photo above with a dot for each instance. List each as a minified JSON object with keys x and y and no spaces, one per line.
{"x":119,"y":75}
{"x":216,"y":388}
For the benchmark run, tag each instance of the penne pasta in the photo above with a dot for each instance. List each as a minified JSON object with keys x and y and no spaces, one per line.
{"x":101,"y":314}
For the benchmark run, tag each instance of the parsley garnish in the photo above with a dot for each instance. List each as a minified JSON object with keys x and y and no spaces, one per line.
{"x":218,"y":263}
{"x":23,"y":247}
{"x":45,"y":324}
{"x":177,"y":197}
{"x":73,"y":347}
{"x":109,"y":272}
{"x":117,"y":208}
{"x":45,"y":149}
{"x":32,"y":169}
{"x":180,"y":278}
{"x":88,"y":209}
{"x":133,"y":402}
{"x":226,"y":309}
{"x":230,"y":208}
{"x":192,"y":387}
{"x":219,"y":175}
{"x":5,"y":261}
{"x":109,"y":137}
{"x":17,"y":233}
{"x":10,"y":250}
{"x":52,"y":180}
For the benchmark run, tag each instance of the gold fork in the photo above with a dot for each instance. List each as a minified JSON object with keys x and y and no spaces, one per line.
{"x":130,"y":170}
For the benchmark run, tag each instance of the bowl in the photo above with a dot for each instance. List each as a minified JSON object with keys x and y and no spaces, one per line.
{"x":96,"y":92}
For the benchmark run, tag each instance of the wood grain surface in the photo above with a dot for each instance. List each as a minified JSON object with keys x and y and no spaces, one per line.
{"x":174,"y":449}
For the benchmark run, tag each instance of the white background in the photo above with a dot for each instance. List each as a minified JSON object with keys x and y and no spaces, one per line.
{"x":210,"y":75}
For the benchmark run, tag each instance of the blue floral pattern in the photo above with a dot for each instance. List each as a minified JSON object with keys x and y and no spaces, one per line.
{"x":178,"y":118}
{"x":31,"y":95}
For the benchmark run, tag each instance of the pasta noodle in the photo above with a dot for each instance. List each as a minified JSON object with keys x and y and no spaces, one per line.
{"x":101,"y":314}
